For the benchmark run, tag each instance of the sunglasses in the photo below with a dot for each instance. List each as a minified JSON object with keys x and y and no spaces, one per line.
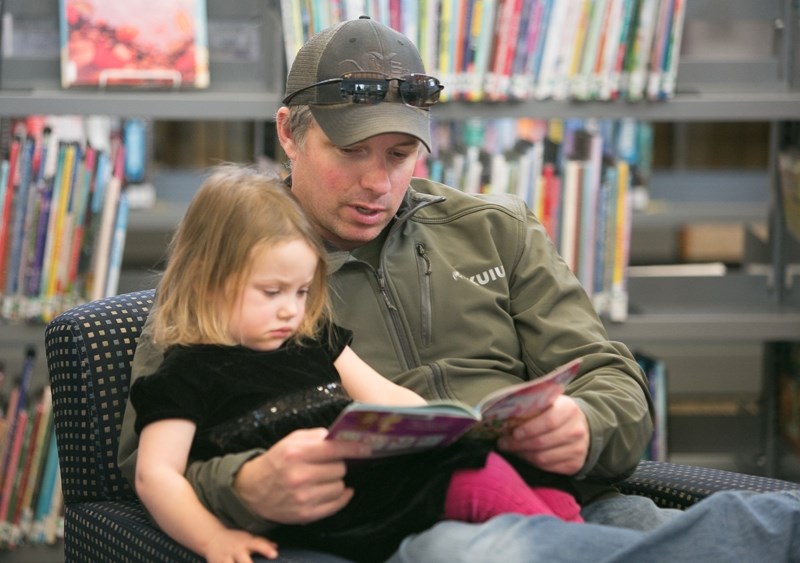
{"x":370,"y":88}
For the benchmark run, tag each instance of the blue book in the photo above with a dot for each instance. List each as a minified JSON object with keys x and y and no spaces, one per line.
{"x":20,"y":211}
{"x":48,"y":486}
{"x":44,"y":190}
{"x":117,"y":245}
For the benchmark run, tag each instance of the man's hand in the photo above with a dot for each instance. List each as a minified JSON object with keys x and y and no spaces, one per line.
{"x":299,"y":479}
{"x":555,"y":440}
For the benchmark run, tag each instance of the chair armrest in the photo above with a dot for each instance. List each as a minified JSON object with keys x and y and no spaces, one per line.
{"x":673,"y":485}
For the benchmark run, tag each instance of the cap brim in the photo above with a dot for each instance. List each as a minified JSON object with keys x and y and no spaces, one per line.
{"x":347,"y":124}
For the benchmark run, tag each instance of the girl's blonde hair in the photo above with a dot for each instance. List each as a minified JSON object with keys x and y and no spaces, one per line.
{"x":235,"y":210}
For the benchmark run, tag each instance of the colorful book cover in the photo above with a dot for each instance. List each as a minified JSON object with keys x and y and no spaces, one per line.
{"x":483,"y":19}
{"x":154,"y":43}
{"x":394,"y":430}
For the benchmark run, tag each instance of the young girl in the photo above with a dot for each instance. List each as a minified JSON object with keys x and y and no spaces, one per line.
{"x":242,"y":311}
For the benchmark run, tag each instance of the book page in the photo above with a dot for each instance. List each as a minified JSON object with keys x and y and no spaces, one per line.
{"x":510,"y":406}
{"x":392,"y":430}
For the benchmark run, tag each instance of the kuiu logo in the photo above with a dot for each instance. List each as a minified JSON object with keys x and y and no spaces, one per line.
{"x":375,"y":61}
{"x":492,"y":274}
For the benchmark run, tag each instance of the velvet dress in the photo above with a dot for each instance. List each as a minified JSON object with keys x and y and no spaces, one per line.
{"x":241,"y":399}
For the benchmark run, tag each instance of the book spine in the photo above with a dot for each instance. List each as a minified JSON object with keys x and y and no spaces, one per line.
{"x":618,"y":83}
{"x":658,"y":50}
{"x":517,"y":88}
{"x":673,"y":51}
{"x":484,"y":19}
{"x":11,"y":474}
{"x":8,"y":432}
{"x":618,"y":299}
{"x":42,"y":440}
{"x":18,"y":227}
{"x":24,"y":480}
{"x":105,"y":233}
{"x":641,"y":50}
{"x":82,"y":199}
{"x":117,"y":245}
{"x":8,"y":200}
{"x":46,"y":492}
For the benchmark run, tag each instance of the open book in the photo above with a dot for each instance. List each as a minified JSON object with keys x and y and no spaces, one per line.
{"x":394,"y":430}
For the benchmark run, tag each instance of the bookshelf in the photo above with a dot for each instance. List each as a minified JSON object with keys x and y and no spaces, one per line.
{"x":247,"y":82}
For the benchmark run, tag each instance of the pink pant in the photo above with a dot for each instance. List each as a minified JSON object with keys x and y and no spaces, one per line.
{"x":476,"y":495}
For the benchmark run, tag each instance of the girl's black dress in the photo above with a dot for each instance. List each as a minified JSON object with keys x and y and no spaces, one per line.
{"x":242,"y":399}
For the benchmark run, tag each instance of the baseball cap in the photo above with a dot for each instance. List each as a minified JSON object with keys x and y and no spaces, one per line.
{"x":354,"y":46}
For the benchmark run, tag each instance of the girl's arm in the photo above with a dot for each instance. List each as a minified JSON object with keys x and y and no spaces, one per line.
{"x":365,"y":384}
{"x":161,"y":485}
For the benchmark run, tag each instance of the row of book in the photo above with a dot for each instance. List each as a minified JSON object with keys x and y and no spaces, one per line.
{"x":577,"y":176}
{"x":500,"y":50}
{"x":63,"y":214}
{"x":31,"y":502}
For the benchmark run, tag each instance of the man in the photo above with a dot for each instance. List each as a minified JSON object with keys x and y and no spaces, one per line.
{"x":449,"y":294}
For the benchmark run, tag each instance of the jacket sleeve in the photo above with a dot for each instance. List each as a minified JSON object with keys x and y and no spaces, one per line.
{"x":212,"y":480}
{"x":556,"y":322}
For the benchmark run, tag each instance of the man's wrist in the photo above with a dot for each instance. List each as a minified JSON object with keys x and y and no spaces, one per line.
{"x":214,"y":483}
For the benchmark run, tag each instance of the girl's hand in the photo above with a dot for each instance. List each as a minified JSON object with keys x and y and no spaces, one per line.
{"x":236,"y":546}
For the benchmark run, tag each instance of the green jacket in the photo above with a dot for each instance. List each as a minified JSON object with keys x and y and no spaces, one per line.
{"x":465,"y":294}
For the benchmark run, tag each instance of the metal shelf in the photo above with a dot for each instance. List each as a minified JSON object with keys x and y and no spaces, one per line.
{"x":760,"y":106}
{"x":223,"y":105}
{"x":261,"y":106}
{"x":728,"y":327}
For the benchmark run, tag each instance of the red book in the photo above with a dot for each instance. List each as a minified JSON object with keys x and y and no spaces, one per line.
{"x":157,"y":43}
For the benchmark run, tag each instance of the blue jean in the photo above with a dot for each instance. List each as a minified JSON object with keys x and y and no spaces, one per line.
{"x":727,"y":526}
{"x":628,"y":511}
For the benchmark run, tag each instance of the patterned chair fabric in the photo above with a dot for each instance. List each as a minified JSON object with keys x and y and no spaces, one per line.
{"x":89,"y":352}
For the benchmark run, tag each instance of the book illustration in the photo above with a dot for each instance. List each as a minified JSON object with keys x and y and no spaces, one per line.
{"x":395,"y":430}
{"x":135,"y":43}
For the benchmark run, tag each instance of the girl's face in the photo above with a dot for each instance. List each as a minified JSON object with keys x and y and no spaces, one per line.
{"x":272,"y":302}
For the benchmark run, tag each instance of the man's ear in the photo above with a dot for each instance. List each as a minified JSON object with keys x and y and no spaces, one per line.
{"x":285,"y":133}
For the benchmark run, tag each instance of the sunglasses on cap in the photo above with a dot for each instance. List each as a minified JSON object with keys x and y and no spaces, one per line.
{"x":370,"y":88}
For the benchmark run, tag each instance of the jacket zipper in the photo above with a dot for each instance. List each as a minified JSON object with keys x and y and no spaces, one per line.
{"x":405,"y":345}
{"x":425,"y":297}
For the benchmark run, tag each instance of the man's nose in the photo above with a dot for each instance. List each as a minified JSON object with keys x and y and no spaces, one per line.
{"x":376,"y":176}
